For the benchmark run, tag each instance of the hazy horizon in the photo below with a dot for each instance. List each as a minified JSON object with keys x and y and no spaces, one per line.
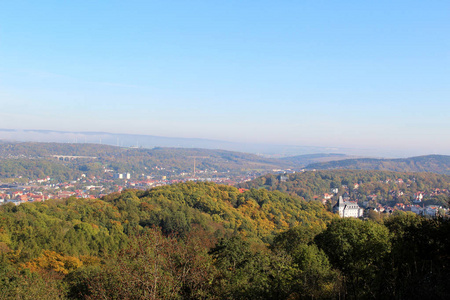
{"x":353,"y":75}
{"x":151,"y":141}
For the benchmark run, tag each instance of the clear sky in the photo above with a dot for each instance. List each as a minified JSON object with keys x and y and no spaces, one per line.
{"x":372,"y":74}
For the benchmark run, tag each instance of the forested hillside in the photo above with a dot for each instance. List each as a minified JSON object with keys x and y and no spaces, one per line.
{"x":431,"y":163}
{"x":208,"y":241}
{"x":256,"y":214}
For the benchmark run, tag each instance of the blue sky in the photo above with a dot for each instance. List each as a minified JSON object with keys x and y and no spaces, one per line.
{"x":368,"y":74}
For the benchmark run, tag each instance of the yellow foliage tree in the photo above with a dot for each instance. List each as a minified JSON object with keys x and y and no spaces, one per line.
{"x":50,"y":260}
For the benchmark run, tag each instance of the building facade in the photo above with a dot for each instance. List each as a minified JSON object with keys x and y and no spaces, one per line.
{"x":348,"y":209}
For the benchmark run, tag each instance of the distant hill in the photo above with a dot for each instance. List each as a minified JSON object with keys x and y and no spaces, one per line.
{"x":430,"y":163}
{"x":306,"y":159}
{"x":34,"y":160}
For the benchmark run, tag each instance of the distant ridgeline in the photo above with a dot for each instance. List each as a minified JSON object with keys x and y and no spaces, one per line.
{"x":431,"y":163}
{"x":359,"y":185}
{"x":209,"y":241}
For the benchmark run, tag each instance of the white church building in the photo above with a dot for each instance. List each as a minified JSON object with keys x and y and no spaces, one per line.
{"x":348,"y":209}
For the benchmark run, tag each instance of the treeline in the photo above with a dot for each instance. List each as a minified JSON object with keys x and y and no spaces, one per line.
{"x":383,"y":184}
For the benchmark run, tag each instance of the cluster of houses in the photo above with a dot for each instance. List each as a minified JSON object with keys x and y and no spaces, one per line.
{"x":346,"y":208}
{"x":24,"y":196}
{"x":351,"y":209}
{"x":429,"y":210}
{"x":90,"y":188}
{"x":18,"y":197}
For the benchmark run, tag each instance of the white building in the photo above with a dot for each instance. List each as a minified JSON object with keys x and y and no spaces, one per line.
{"x":118,"y":176}
{"x":347,"y":209}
